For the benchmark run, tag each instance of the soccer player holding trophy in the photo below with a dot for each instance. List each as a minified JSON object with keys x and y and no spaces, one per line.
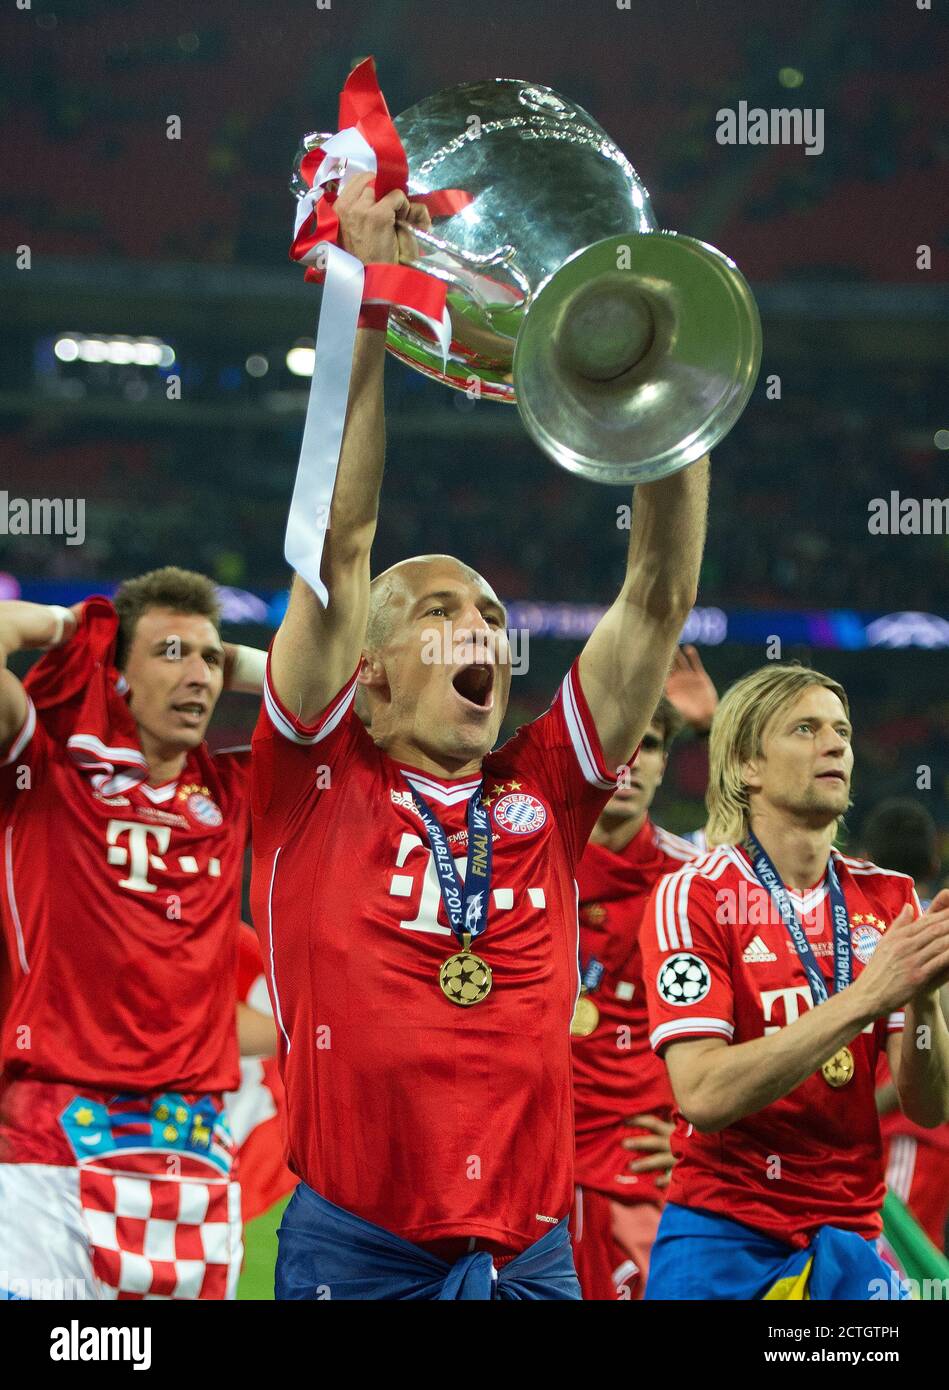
{"x":414,"y":886}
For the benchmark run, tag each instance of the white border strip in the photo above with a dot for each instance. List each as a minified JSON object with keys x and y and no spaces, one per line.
{"x":282,"y":722}
{"x":273,"y":972}
{"x":11,"y":899}
{"x":23,"y":737}
{"x":580,"y":738}
{"x":84,"y":745}
{"x":685,"y":1026}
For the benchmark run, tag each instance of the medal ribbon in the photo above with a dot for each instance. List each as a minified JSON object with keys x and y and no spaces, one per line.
{"x":591,"y":975}
{"x":367,"y":142}
{"x":767,"y":875}
{"x":466,"y":904}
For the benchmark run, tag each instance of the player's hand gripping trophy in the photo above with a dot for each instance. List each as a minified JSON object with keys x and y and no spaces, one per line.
{"x":629,"y":351}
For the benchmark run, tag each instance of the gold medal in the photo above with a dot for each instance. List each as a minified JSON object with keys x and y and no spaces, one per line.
{"x":585,"y":1018}
{"x":465,"y":978}
{"x":839,"y":1070}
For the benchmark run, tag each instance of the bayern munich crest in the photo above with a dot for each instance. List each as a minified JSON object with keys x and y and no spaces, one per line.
{"x":865,"y":936}
{"x":204,"y":810}
{"x":520,"y":813}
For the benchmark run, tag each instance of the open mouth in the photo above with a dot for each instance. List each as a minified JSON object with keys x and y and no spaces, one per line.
{"x":475,"y":685}
{"x":190,"y":710}
{"x":834,"y":776}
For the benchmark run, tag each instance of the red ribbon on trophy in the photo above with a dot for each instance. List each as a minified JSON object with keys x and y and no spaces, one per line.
{"x":354,"y":295}
{"x":368,"y":141}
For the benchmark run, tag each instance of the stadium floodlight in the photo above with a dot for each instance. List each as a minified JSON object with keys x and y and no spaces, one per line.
{"x":93,"y":350}
{"x":66,"y":349}
{"x":148,"y":352}
{"x":300,"y":358}
{"x":257,"y":365}
{"x":121,"y":352}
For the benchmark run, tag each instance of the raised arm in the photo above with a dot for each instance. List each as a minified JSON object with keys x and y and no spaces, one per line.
{"x":24,"y":626}
{"x":624,"y":665}
{"x":317,"y":648}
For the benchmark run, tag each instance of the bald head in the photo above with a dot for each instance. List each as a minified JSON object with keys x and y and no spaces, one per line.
{"x":393,"y":592}
{"x":431,"y":620}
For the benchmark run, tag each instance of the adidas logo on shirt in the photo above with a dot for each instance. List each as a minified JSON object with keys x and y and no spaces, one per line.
{"x":756,"y":952}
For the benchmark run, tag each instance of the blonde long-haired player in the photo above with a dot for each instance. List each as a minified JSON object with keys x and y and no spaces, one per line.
{"x":778,"y":971}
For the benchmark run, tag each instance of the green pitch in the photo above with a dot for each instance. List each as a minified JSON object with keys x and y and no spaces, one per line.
{"x":260,"y":1254}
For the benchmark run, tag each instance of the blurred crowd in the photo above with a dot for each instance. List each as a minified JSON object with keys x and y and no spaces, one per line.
{"x":789,"y":523}
{"x":89,"y":87}
{"x":87,"y":93}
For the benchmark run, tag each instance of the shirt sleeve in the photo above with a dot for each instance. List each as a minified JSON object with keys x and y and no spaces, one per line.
{"x":562,"y":750}
{"x":27,"y":753}
{"x":686,"y":963}
{"x":294,"y":764}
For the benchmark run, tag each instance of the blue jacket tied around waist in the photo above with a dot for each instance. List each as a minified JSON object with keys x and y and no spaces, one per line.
{"x":328,"y":1253}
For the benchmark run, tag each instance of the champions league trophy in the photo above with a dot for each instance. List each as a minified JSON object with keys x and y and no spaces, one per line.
{"x":629,"y":351}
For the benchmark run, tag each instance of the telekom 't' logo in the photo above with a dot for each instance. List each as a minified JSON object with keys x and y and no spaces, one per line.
{"x":143,"y":850}
{"x":403,"y":885}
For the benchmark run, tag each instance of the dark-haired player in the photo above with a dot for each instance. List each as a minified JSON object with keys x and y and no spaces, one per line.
{"x":122,"y":840}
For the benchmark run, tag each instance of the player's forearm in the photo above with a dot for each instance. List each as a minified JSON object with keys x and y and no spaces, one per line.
{"x":742,"y":1079}
{"x":244,"y":669}
{"x":887,"y":1098}
{"x":923,"y":1081}
{"x":666,"y":542}
{"x":25,"y":626}
{"x":256,"y":1032}
{"x":355,"y":503}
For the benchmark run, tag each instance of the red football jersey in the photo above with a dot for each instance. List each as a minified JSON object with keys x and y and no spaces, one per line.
{"x":615,"y":1072}
{"x":894,"y":1122}
{"x":718,"y":962}
{"x":120,"y":914}
{"x":257,"y":1108}
{"x":429,"y":1119}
